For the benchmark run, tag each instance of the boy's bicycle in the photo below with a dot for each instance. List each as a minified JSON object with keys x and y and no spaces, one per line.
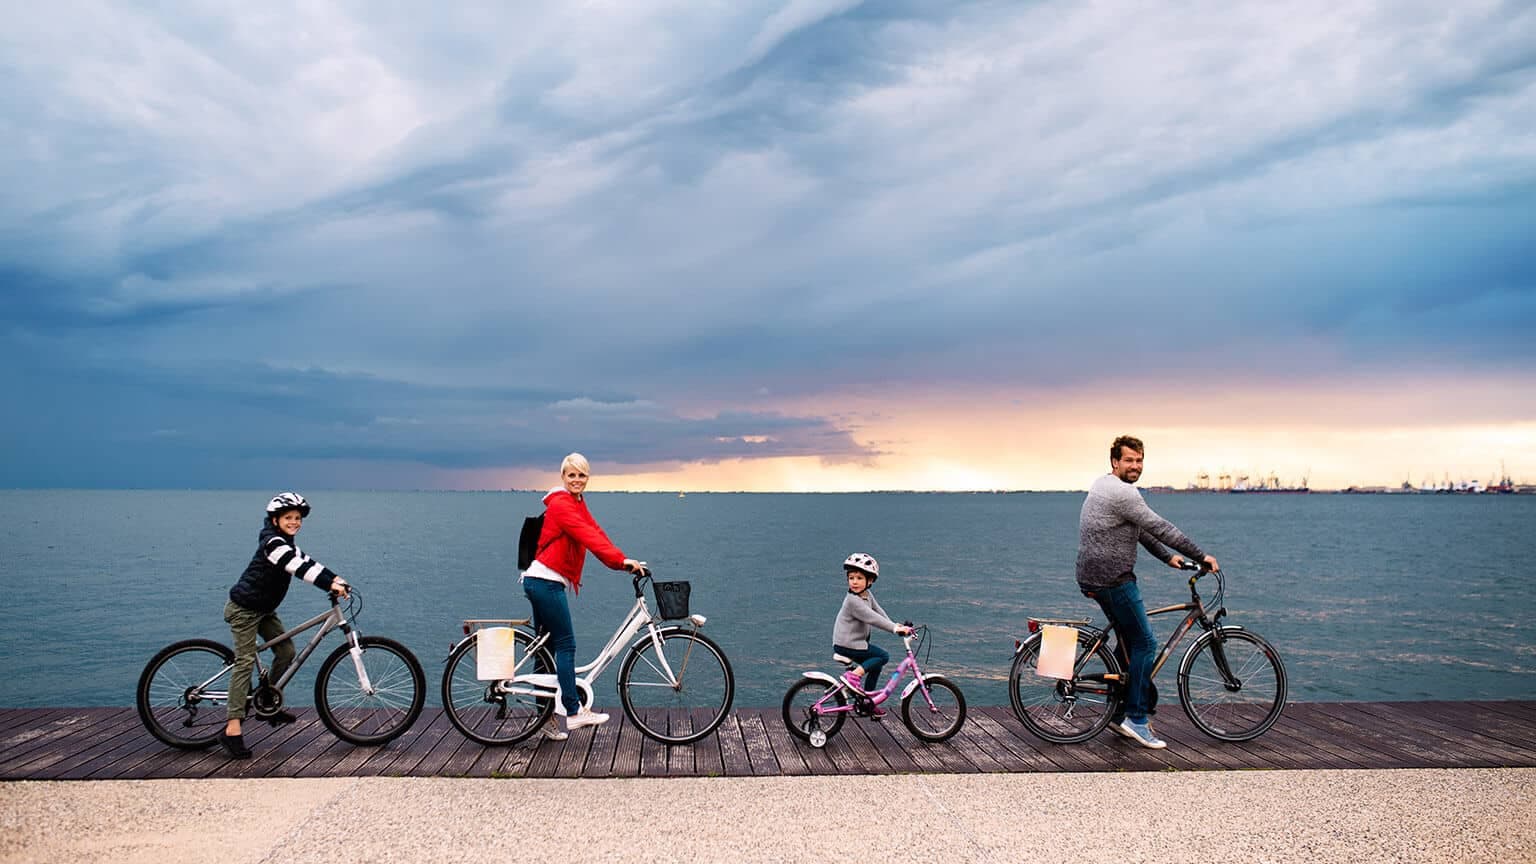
{"x":675,"y":683}
{"x":931,"y":705}
{"x":1231,"y":682}
{"x":368,"y":691}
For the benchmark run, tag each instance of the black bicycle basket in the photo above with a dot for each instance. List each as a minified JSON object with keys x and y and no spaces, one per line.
{"x":671,"y":600}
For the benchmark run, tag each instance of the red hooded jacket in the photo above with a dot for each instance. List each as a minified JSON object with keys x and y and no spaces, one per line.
{"x":569,"y":533}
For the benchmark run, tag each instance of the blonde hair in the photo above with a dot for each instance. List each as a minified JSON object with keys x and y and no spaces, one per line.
{"x":577,"y":461}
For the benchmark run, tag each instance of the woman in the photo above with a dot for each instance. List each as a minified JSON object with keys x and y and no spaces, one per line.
{"x":569,"y":533}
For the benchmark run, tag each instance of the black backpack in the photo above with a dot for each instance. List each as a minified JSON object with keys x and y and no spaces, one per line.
{"x":528,"y":541}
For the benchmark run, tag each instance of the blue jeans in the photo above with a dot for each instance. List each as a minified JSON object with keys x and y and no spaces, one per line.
{"x":552,"y":615}
{"x":873,"y":659}
{"x":1122,"y":605}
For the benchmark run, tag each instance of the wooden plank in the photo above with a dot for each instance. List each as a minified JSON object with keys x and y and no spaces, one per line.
{"x":893,"y":757}
{"x":680,"y":756}
{"x":605,"y":743}
{"x":1432,"y":731}
{"x":1007,"y":745}
{"x":626,"y":754}
{"x":125,"y":735}
{"x":24,"y":746}
{"x":1409,"y":736}
{"x":59,"y":738}
{"x":1491,"y":719}
{"x":430,"y":731}
{"x":786,"y":747}
{"x":1068,"y":757}
{"x":759,"y":751}
{"x":1322,"y":731}
{"x":103,"y":743}
{"x":653,"y":753}
{"x":733,"y":749}
{"x":707,"y":761}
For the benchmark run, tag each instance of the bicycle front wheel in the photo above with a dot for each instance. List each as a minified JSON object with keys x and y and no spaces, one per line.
{"x":1065,"y":710}
{"x":1232,"y":684}
{"x":677,"y":686}
{"x":801,"y":716}
{"x":397,"y":688}
{"x":498,"y":715}
{"x":938,"y":716}
{"x":183,"y":693}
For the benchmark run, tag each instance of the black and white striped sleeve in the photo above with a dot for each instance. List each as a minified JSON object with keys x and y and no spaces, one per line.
{"x":283,"y":554}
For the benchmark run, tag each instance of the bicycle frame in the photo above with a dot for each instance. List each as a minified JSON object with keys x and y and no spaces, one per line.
{"x":542,"y":684}
{"x":327,"y":621}
{"x":907,"y":665}
{"x":1195,"y":613}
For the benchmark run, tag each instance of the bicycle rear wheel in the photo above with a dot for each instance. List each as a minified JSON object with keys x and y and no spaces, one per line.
{"x":940,"y":720}
{"x":800,"y":714}
{"x":398,"y":690}
{"x":183,"y":693}
{"x":1238,"y":706}
{"x":493,"y":716}
{"x":1065,"y":710}
{"x":685,"y":705}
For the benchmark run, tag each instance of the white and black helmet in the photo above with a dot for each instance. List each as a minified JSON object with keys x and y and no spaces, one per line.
{"x":864,"y":563}
{"x":288,"y":501}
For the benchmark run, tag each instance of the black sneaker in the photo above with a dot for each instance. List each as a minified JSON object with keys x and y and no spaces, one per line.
{"x":234,"y":745}
{"x":281,"y":718}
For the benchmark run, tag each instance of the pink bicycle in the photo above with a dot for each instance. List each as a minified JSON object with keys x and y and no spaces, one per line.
{"x":931,"y":705}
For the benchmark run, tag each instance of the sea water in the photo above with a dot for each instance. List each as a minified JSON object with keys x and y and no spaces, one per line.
{"x":1381,"y":597}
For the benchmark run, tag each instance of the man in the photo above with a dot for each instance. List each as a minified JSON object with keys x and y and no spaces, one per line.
{"x":1113,"y":521}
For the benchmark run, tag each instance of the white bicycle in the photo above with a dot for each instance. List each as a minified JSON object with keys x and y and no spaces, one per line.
{"x":675,"y":683}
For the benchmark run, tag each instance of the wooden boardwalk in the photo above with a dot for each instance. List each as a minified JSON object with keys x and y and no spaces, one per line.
{"x":109,"y":743}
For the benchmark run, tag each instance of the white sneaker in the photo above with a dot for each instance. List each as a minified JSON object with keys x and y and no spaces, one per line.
{"x":1142,"y":734}
{"x":586,"y":718}
{"x":552,"y":730}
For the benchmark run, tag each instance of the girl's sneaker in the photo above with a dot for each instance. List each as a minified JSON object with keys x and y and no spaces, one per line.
{"x":586,"y":718}
{"x":552,"y":730}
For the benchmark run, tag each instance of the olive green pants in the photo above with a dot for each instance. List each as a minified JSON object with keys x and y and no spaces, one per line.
{"x":245,"y":625}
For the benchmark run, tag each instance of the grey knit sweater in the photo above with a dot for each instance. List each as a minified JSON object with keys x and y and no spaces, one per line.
{"x":1114,"y":519}
{"x":855,"y":618}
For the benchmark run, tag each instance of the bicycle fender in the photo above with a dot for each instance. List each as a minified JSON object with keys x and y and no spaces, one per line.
{"x":820,"y":676}
{"x":644,"y":638}
{"x":912,"y":685}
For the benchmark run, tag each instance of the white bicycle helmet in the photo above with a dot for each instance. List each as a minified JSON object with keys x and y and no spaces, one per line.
{"x":288,"y":501}
{"x":864,"y":563}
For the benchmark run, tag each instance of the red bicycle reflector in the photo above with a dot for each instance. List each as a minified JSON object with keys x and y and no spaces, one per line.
{"x":1034,"y":626}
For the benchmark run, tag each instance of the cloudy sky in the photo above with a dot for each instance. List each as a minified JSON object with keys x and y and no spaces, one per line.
{"x":749,"y":245}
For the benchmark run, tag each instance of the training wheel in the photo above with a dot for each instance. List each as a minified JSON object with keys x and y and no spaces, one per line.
{"x":818,"y":738}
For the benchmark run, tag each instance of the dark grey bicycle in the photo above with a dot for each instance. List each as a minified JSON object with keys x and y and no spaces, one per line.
{"x":368,"y":691}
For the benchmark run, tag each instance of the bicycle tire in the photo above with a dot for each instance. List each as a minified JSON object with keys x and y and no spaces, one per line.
{"x":358,"y":717}
{"x":693,"y":709}
{"x":799,"y":701}
{"x":1065,"y":711}
{"x":940,"y":720}
{"x":168,"y":699}
{"x":486,"y":716}
{"x":1212,"y":706}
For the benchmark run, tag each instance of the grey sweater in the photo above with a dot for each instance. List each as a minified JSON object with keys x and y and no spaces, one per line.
{"x":1114,"y":519}
{"x":856,"y":617}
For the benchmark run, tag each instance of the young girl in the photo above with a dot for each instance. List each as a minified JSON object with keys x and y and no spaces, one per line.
{"x":860,"y":611}
{"x":252,"y":607}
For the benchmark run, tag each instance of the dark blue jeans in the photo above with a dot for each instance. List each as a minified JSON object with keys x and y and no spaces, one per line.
{"x":552,"y":615}
{"x":873,"y":659}
{"x":1122,"y":605}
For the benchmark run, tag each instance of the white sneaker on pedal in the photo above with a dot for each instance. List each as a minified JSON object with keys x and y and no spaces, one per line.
{"x":552,"y":730}
{"x":586,"y":718}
